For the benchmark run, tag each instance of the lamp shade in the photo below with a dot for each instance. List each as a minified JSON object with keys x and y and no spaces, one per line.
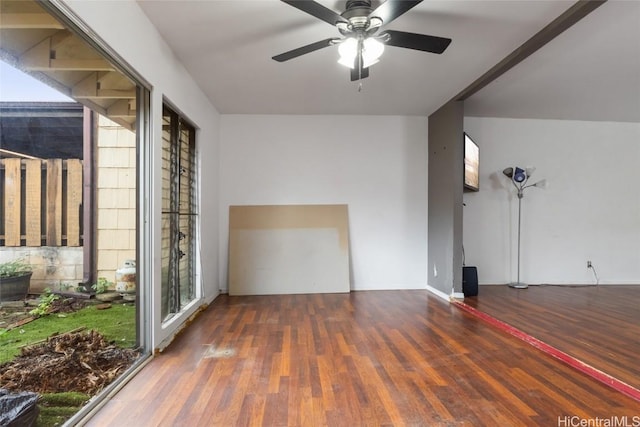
{"x":372,"y":49}
{"x":371,"y":52}
{"x":348,"y":51}
{"x":543,"y":183}
{"x":519,"y":175}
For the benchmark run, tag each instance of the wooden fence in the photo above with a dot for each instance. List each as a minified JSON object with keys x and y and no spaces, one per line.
{"x":41,"y":202}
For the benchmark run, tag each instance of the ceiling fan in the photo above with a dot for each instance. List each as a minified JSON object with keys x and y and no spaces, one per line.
{"x":362,"y":43}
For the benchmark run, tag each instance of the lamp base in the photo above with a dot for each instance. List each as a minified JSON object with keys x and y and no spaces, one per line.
{"x":518,"y":285}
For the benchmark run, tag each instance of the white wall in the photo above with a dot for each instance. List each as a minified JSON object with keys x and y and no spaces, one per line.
{"x":375,"y":164}
{"x":591,"y":211}
{"x":126,"y":30}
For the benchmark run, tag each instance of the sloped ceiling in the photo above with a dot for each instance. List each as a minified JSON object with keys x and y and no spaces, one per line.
{"x":227,"y":47}
{"x":589,"y":72}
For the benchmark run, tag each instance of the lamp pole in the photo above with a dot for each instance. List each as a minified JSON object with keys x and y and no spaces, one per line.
{"x":518,"y":284}
{"x":519,"y":177}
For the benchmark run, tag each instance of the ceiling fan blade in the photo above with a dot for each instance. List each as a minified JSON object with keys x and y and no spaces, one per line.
{"x":357,"y":76}
{"x":391,"y":9}
{"x":316,"y":9}
{"x":421,"y":42}
{"x":303,"y":50}
{"x":358,"y":71}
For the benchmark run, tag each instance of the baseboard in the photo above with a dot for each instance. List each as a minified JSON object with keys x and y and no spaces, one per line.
{"x":438,"y":293}
{"x":457,"y":295}
{"x":387,"y":287}
{"x":576,"y":283}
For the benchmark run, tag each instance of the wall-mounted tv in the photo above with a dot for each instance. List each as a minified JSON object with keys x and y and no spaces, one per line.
{"x":471,"y":164}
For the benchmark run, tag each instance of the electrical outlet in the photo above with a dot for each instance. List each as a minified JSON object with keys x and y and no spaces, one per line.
{"x":589,"y":264}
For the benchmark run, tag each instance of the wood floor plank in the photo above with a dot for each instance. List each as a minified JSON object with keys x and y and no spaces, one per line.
{"x":599,"y":325}
{"x":362,"y":359}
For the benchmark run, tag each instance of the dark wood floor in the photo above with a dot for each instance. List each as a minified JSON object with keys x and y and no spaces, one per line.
{"x":360,"y":359}
{"x":600,"y":325}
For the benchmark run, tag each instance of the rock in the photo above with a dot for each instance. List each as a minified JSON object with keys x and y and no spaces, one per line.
{"x":108,"y":296}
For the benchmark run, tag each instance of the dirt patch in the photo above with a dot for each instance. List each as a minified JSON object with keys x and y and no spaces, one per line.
{"x":12,"y":313}
{"x":16,"y":313}
{"x":78,"y":361}
{"x":68,"y":305}
{"x":75,"y":361}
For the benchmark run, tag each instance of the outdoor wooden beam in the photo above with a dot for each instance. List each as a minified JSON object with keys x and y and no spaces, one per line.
{"x":122,"y":108}
{"x":113,"y":80}
{"x":42,"y":57}
{"x":86,"y":88}
{"x":19,"y":21}
{"x":38,"y":56}
{"x":90,"y":87}
{"x":79,"y":64}
{"x":105,"y":94}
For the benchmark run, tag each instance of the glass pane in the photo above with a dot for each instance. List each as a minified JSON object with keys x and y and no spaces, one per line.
{"x":72,"y":164}
{"x":179,"y":210}
{"x":186,"y":262}
{"x":166,"y":215}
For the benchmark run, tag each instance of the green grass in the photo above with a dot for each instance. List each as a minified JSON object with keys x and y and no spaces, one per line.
{"x":117,"y":324}
{"x":69,"y":398}
{"x":56,"y":408}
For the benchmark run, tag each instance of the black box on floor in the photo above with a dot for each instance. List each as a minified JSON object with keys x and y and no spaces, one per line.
{"x":469,"y":281}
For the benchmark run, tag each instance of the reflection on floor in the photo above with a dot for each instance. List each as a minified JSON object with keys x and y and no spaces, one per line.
{"x":598,"y":325}
{"x":358,"y":359}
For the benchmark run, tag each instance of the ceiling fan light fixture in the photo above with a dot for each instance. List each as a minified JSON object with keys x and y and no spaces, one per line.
{"x":374,"y":24}
{"x":348,"y":51}
{"x":372,"y":49}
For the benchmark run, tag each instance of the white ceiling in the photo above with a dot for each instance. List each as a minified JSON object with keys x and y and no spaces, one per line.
{"x":227,"y":47}
{"x":589,"y":72}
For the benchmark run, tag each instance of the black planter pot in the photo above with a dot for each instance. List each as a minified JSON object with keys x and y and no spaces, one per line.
{"x":14,"y":288}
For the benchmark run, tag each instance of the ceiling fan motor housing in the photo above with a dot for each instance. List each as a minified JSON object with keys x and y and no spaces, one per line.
{"x":357,"y":13}
{"x":357,"y":7}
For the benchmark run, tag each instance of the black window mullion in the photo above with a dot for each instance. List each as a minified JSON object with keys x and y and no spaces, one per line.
{"x":174,"y":260}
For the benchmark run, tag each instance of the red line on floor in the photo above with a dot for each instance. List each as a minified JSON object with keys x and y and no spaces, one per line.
{"x":585,"y":368}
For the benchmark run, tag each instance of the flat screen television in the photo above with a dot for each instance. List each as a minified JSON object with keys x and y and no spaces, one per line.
{"x":471,"y":164}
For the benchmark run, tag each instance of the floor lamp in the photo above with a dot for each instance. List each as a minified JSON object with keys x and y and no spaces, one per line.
{"x":519,"y":178}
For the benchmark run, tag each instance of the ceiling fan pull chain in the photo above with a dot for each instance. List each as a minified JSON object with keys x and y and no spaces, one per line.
{"x":360,"y":61}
